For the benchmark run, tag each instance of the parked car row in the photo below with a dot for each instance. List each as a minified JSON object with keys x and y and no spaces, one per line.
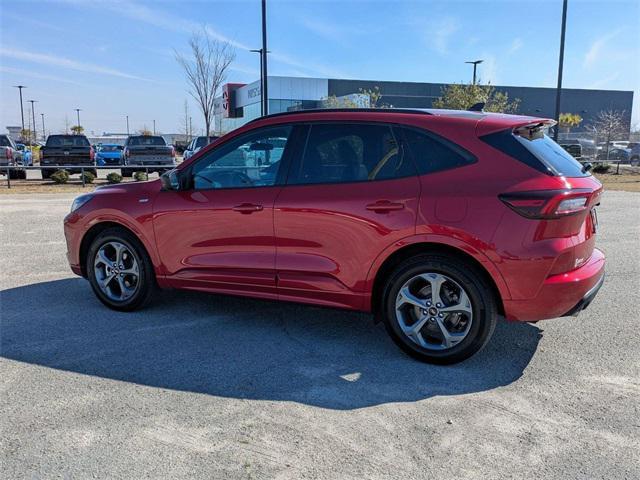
{"x":14,"y":155}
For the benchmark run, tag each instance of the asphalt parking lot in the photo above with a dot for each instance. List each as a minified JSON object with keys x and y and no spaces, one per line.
{"x":202,"y":386}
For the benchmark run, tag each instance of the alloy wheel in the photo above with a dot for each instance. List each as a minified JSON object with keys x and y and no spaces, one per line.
{"x":434,"y":311}
{"x":116,"y":271}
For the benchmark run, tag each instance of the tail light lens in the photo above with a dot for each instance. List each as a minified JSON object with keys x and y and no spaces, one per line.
{"x":126,"y":152}
{"x":9,"y":154}
{"x":547,"y":204}
{"x":92,"y":153}
{"x":173,"y":151}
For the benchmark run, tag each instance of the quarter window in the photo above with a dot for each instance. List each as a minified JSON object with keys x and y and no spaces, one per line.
{"x":252,"y":160}
{"x":432,"y":153}
{"x":342,"y":153}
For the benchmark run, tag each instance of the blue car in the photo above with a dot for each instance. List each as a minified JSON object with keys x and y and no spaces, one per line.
{"x":109,"y":154}
{"x":24,"y":154}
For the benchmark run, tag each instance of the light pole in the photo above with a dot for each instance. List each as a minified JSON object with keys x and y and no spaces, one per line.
{"x":259,"y":50}
{"x":263,"y":55}
{"x":78,"y":110}
{"x":20,"y":87}
{"x":33,"y":116}
{"x":154,"y":127}
{"x":475,"y":64}
{"x":44,"y":135}
{"x":127,"y":125}
{"x":560,"y":66}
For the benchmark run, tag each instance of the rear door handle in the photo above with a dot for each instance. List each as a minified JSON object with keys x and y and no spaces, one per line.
{"x":247,"y":208}
{"x":383,"y":206}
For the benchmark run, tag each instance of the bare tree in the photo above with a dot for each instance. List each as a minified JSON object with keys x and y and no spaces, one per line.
{"x":206,"y":70}
{"x":609,"y":125}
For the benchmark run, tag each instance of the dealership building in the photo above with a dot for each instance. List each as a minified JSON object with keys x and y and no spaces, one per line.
{"x":240,"y":103}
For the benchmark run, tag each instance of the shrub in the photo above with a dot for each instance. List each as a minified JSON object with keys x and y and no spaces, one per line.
{"x":88,"y":177}
{"x":60,"y":176}
{"x":601,"y":168}
{"x":114,"y":177}
{"x":141,"y":176}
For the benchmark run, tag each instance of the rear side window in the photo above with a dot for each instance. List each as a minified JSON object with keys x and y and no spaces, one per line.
{"x":539,"y":152}
{"x":4,"y":141}
{"x":67,"y":141}
{"x":146,"y":141}
{"x":432,"y":153}
{"x":344,"y":153}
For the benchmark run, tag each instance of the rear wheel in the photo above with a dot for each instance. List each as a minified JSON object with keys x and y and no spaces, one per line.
{"x":635,"y":161}
{"x":439,"y":309}
{"x":46,"y":173}
{"x":120,"y":271}
{"x":126,"y":172}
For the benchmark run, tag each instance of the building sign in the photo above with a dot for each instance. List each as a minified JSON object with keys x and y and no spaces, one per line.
{"x":228,"y":99}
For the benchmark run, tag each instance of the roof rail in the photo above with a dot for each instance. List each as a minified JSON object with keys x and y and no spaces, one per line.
{"x":333,"y":110}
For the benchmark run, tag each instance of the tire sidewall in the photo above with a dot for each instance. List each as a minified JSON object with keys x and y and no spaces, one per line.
{"x":145,"y":277}
{"x":483,"y":305}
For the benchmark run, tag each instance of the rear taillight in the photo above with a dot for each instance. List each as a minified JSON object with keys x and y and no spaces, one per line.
{"x":126,"y":152}
{"x":92,"y":153}
{"x":9,"y":153}
{"x":173,"y":152}
{"x":547,"y":204}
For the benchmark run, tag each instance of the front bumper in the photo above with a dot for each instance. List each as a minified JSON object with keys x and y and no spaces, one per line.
{"x":562,"y":295}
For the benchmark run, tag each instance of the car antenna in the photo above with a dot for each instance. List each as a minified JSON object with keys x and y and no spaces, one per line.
{"x":477,"y":107}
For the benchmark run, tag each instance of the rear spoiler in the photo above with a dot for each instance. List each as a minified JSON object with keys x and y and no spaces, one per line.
{"x":525,"y":126}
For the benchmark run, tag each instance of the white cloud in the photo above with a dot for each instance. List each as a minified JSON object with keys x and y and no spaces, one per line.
{"x":595,"y":50}
{"x":62,"y":62}
{"x":440,"y":34}
{"x":488,"y":69}
{"x":516,"y":45}
{"x":28,"y":73}
{"x":604,"y":82}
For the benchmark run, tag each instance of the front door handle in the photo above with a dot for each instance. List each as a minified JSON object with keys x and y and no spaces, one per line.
{"x":384,"y":206}
{"x":247,"y":208}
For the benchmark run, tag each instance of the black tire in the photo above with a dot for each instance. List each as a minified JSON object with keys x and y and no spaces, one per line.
{"x":478,"y":290}
{"x":22,"y":175}
{"x":126,"y":172}
{"x":14,"y":174}
{"x":46,"y":173}
{"x":146,"y":279}
{"x":635,"y":161}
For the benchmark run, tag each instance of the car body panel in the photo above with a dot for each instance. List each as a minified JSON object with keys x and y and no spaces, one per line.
{"x":320,"y":244}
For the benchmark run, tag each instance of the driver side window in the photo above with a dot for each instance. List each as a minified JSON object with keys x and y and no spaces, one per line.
{"x":251,"y":160}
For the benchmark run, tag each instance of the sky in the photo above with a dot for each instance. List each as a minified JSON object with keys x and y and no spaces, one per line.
{"x":117,"y":57}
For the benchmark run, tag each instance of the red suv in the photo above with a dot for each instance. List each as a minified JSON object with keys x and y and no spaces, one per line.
{"x":436,"y":221}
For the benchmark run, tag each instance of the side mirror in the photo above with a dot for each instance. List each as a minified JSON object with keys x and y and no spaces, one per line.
{"x":170,"y":180}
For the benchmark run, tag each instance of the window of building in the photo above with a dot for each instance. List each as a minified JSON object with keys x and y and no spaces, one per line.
{"x":341,"y":153}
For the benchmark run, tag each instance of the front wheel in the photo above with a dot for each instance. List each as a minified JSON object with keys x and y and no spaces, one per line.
{"x":120,"y":271}
{"x":439,"y":309}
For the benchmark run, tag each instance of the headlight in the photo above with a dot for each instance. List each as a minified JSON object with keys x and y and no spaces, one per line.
{"x":80,"y":201}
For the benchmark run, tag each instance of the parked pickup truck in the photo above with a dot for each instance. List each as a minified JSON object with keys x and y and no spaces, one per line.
{"x":72,"y":150}
{"x":10,"y":157}
{"x":147,"y":153}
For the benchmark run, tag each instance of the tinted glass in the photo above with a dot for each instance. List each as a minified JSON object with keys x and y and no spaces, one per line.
{"x":202,"y":141}
{"x":432,"y":153}
{"x":252,"y":160}
{"x":4,"y":141}
{"x":553,"y":156}
{"x":110,"y":148}
{"x":67,"y":141}
{"x":341,"y":153}
{"x":146,"y":141}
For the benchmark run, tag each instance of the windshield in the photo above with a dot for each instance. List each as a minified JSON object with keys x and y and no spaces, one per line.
{"x":67,"y":141}
{"x":202,"y":141}
{"x":110,"y":148}
{"x":4,"y":141}
{"x":146,"y":141}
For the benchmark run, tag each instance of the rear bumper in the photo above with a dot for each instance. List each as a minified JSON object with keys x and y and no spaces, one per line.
{"x":561,"y":295}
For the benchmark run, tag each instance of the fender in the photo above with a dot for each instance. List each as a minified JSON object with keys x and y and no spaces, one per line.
{"x":451,"y":241}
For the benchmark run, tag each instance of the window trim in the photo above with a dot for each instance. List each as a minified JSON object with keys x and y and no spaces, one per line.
{"x":297,"y":159}
{"x":284,"y":166}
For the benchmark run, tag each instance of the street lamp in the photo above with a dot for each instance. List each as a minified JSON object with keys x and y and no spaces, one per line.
{"x":560,"y":64}
{"x":259,"y":50}
{"x":44,"y":135}
{"x":475,"y":64}
{"x":127,"y":125}
{"x":263,"y":55}
{"x":33,"y":116}
{"x":20,"y":87}
{"x":78,"y":110}
{"x":154,"y":127}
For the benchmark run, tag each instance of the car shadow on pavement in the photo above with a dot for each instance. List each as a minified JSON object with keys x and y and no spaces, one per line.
{"x":242,"y":348}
